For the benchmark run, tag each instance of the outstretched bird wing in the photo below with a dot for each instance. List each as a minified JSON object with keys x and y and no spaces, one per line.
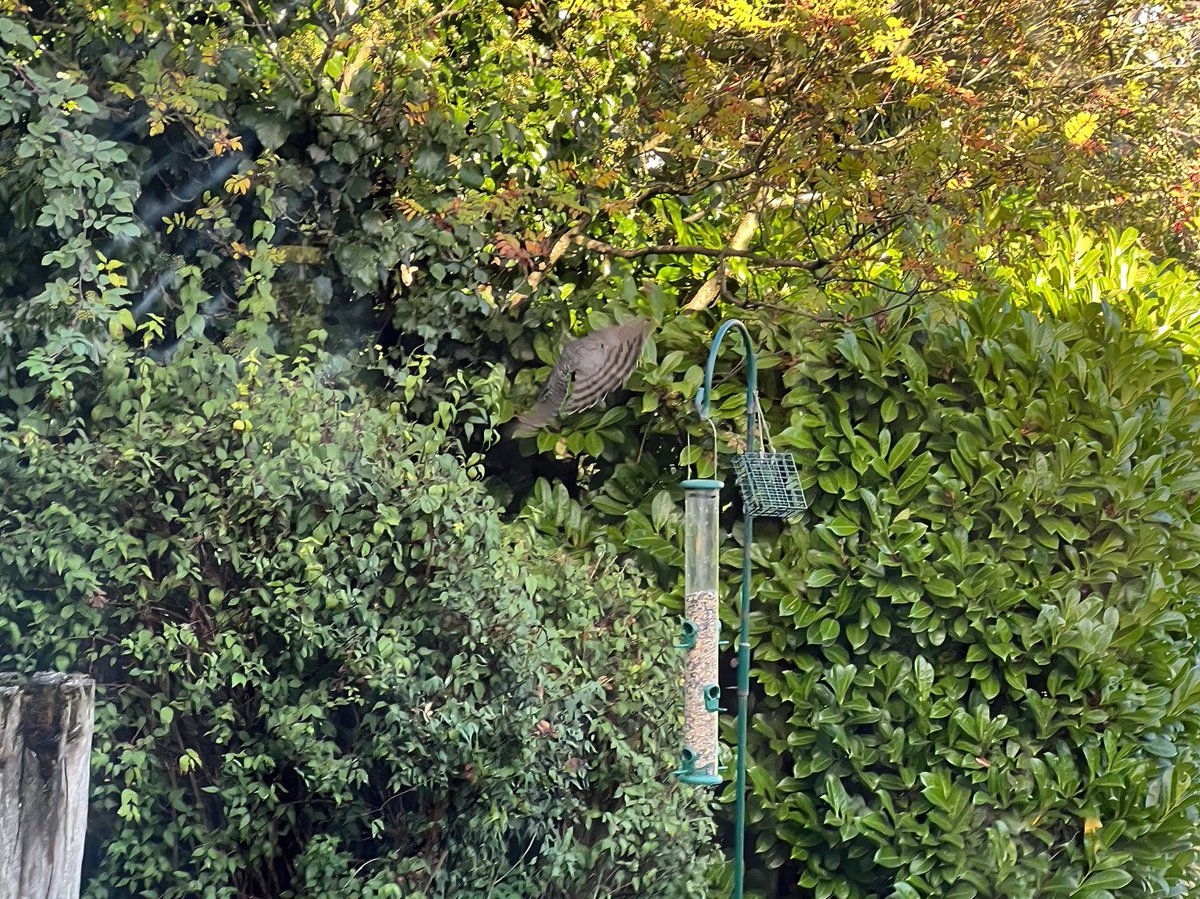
{"x":588,"y":369}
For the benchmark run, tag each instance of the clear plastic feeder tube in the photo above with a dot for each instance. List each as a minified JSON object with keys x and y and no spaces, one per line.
{"x":701,"y":629}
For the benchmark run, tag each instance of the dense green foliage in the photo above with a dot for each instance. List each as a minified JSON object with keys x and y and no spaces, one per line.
{"x":875,"y":186}
{"x":325,"y":668}
{"x":978,"y":663}
{"x":975,"y":665}
{"x":247,"y":162}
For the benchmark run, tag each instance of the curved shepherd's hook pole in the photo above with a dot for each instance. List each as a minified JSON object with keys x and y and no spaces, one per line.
{"x":704,"y":408}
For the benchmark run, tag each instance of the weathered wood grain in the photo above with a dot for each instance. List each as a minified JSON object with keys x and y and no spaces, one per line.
{"x":45,"y":754}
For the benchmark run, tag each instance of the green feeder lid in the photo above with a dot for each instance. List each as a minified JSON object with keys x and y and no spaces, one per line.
{"x":703,"y":484}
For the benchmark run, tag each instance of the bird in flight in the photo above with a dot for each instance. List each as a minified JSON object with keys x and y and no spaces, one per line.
{"x":587,"y":370}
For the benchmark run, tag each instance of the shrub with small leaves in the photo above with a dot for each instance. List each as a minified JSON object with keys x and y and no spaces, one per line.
{"x":325,"y":668}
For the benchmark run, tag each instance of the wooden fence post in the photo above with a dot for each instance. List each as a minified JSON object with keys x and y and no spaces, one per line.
{"x":45,"y":756}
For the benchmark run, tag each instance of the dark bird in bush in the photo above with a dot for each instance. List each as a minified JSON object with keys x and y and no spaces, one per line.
{"x":587,"y":370}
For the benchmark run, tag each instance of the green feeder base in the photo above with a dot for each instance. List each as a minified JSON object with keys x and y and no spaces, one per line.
{"x":688,"y":774}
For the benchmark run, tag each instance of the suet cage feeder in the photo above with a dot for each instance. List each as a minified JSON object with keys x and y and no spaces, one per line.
{"x":770,"y":485}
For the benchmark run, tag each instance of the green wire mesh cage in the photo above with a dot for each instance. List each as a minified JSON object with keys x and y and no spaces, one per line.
{"x":770,"y":485}
{"x":769,"y":481}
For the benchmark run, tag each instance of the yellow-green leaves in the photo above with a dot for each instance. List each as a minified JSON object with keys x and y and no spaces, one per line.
{"x":1079,"y":128}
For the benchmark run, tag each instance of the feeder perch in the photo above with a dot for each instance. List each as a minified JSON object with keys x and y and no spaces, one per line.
{"x":712,"y":698}
{"x":688,"y":773}
{"x":687,"y":636}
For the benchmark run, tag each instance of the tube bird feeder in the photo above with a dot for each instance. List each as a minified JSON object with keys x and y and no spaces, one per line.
{"x":701,"y":632}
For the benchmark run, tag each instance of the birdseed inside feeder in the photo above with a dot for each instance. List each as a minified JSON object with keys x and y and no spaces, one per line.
{"x":701,"y":632}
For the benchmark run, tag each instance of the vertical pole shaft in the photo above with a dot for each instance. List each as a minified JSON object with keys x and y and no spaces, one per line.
{"x":743,"y":692}
{"x":743,"y":655}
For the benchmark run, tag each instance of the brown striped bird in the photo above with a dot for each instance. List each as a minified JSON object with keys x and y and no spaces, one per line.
{"x":587,"y":370}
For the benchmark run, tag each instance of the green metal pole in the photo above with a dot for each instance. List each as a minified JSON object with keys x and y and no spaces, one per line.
{"x":704,"y":407}
{"x":743,"y":690}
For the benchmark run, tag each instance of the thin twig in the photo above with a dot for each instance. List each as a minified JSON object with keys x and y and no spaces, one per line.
{"x":711,"y":252}
{"x":840,"y":319}
{"x":664,"y":187}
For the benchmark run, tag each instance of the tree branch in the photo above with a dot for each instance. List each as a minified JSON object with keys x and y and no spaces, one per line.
{"x":741,"y":241}
{"x":751,"y":258}
{"x":665,"y":187}
{"x":909,"y":297}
